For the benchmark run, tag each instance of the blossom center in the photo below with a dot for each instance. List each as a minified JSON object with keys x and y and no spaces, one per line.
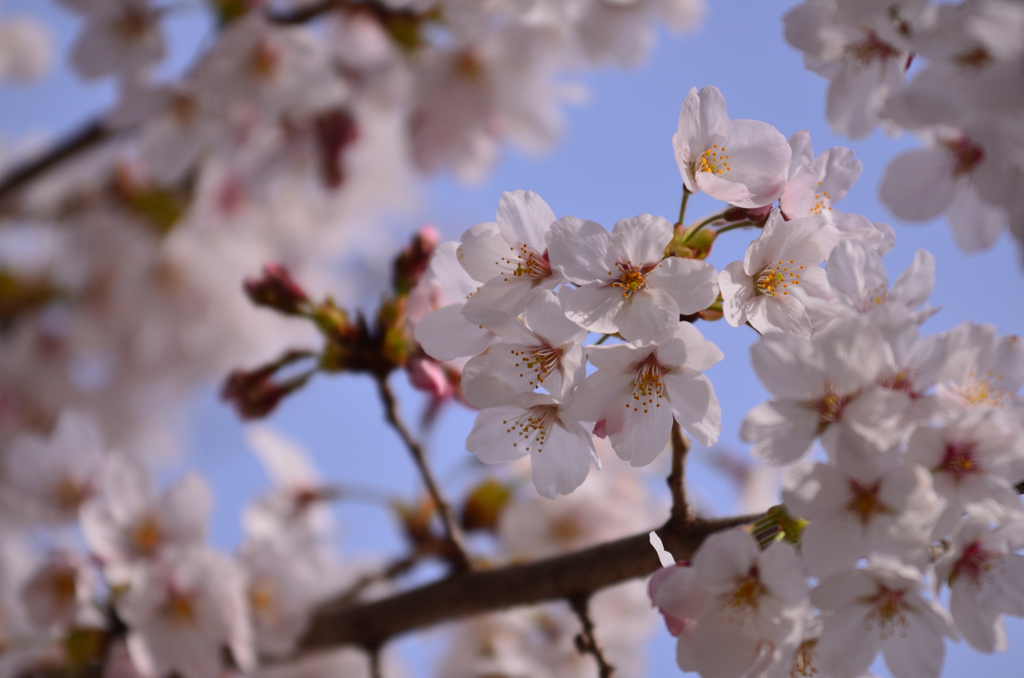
{"x":69,"y":494}
{"x":804,"y":660}
{"x":871,"y":48}
{"x":526,"y":263}
{"x":887,"y":612}
{"x":983,"y":393}
{"x":541,"y":360}
{"x":966,"y":155}
{"x":961,"y":460}
{"x":713,"y":160}
{"x":901,"y":381}
{"x":631,"y":278}
{"x":179,"y":608}
{"x":532,"y":426}
{"x":829,"y":407}
{"x":974,"y":563}
{"x":262,"y":596}
{"x":747,"y":593}
{"x":648,"y":387}
{"x":777,"y":278}
{"x":264,"y":60}
{"x":147,"y":534}
{"x":63,"y":586}
{"x":865,"y":504}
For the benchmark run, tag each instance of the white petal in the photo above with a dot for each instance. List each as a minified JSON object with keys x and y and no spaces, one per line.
{"x":918,"y":185}
{"x":645,"y":314}
{"x":580,"y":249}
{"x":524,"y":218}
{"x":445,"y":334}
{"x":782,"y":431}
{"x":695,"y":406}
{"x":693,"y":284}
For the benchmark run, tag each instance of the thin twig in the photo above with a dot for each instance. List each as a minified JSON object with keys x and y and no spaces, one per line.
{"x":682,"y":205}
{"x":580,"y":573}
{"x":682,"y":512}
{"x":307,"y":13}
{"x":586,"y":641}
{"x":453,"y":533}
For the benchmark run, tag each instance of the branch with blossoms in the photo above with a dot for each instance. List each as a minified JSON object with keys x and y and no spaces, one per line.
{"x":905,"y":449}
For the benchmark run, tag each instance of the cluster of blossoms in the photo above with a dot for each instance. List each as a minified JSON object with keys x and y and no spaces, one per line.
{"x":185,"y":608}
{"x":298,"y":127}
{"x":964,"y":100}
{"x":146,"y":563}
{"x":922,"y":436}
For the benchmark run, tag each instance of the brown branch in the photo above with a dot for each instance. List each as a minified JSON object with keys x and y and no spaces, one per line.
{"x":682,"y":512}
{"x":453,"y":533}
{"x":392,"y":571}
{"x":374,"y":655}
{"x":465,"y":594}
{"x":89,"y":135}
{"x":586,"y":641}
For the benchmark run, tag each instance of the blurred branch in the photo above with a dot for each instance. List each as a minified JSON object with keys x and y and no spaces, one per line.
{"x":453,"y":533}
{"x":682,"y":512}
{"x":392,"y":571}
{"x":464,"y":594}
{"x":87,"y":136}
{"x":586,"y":641}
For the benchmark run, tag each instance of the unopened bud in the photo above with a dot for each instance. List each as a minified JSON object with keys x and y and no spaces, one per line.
{"x":277,"y":290}
{"x":254,"y":394}
{"x":412,"y":262}
{"x":484,"y":505}
{"x":429,"y":376}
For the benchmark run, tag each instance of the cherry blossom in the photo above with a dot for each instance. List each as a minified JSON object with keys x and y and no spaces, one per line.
{"x":859,"y":283}
{"x":748,"y":605}
{"x":741,"y":162}
{"x":129,"y":522}
{"x":854,"y":514}
{"x":880,"y":608}
{"x":182,"y":611}
{"x":26,"y":49}
{"x":986,"y":580}
{"x":976,"y":461}
{"x":60,"y":593}
{"x":538,"y":426}
{"x":120,"y":37}
{"x":824,"y":387}
{"x":49,"y":480}
{"x":627,"y":285}
{"x":544,"y":352}
{"x":816,"y":184}
{"x":779,"y":270}
{"x":509,"y":258}
{"x":632,"y":382}
{"x":982,"y":369}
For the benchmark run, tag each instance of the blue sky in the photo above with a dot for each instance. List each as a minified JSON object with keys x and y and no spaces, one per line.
{"x":614,"y":161}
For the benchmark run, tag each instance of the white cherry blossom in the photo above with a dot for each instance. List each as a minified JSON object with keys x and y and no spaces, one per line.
{"x":747,"y":605}
{"x":741,"y":162}
{"x":627,"y":285}
{"x":639,"y":388}
{"x":60,"y":593}
{"x":982,"y":369}
{"x":880,"y":608}
{"x":538,"y":426}
{"x":49,"y":480}
{"x":779,"y":270}
{"x":986,"y":580}
{"x":859,"y":283}
{"x":182,"y":611}
{"x":120,"y":37}
{"x":976,"y":461}
{"x":816,"y":184}
{"x":544,"y":351}
{"x":130,"y":522}
{"x":824,"y":387}
{"x":854,"y":514}
{"x":509,"y":258}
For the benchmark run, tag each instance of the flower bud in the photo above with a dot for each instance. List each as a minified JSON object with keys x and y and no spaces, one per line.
{"x":412,"y":262}
{"x":277,"y":290}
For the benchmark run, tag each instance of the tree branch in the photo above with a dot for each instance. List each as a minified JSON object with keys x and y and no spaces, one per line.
{"x":682,"y":512}
{"x":586,"y":641}
{"x":453,"y":533}
{"x":465,"y":594}
{"x":90,"y":134}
